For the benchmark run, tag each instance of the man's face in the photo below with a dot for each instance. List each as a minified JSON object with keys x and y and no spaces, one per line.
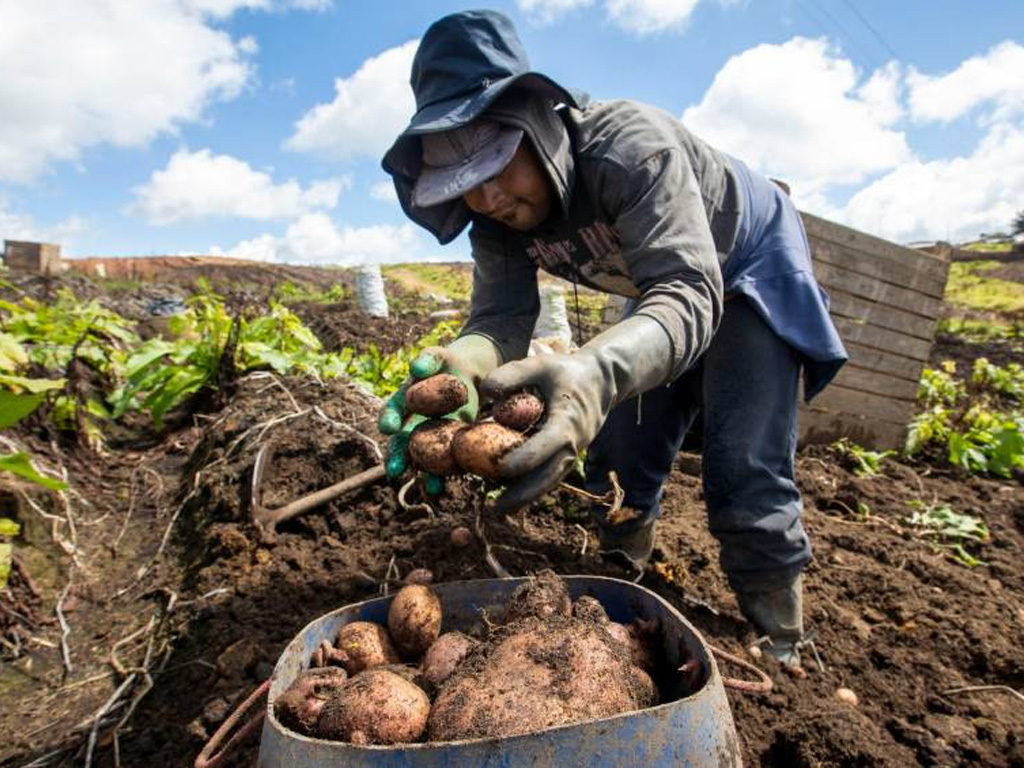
{"x":519,"y":197}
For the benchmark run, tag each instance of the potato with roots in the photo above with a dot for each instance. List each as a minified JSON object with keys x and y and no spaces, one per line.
{"x":300,"y":706}
{"x":480,"y":448}
{"x":364,"y":645}
{"x":519,"y":411}
{"x":430,"y":446}
{"x":543,"y":595}
{"x":414,"y":619}
{"x":536,"y":674}
{"x":437,"y":395}
{"x":444,"y":656}
{"x":377,"y":706}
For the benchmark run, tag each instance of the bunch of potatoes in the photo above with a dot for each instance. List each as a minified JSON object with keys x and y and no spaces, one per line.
{"x":549,"y":662}
{"x":445,"y":447}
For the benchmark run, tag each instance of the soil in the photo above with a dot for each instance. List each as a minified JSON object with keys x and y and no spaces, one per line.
{"x":177,"y":606}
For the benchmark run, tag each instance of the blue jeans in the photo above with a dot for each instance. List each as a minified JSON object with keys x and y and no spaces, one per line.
{"x":745,"y":389}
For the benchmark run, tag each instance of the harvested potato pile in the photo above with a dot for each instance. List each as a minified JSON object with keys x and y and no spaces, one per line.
{"x":549,"y":662}
{"x":446,"y":447}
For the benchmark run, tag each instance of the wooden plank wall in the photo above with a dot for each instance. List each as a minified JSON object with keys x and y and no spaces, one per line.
{"x":885,"y":302}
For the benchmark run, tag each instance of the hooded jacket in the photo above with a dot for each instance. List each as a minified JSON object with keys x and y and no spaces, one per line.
{"x":645,"y":210}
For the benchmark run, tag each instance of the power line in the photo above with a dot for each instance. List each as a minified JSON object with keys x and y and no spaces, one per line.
{"x":871,"y":28}
{"x":838,"y":29}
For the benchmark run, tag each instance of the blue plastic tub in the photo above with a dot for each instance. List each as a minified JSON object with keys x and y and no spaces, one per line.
{"x":694,"y":727}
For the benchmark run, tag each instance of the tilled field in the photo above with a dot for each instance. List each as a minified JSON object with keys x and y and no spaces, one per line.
{"x":895,"y":618}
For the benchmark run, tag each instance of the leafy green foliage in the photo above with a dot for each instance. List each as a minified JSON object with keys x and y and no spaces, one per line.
{"x":865,"y":463}
{"x":8,"y":530}
{"x":964,"y":418}
{"x":950,"y":529}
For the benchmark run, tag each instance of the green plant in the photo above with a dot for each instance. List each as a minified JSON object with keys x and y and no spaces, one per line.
{"x":866,"y":463}
{"x":970,"y":286}
{"x":8,"y":530}
{"x":950,"y":529}
{"x":961,"y":418}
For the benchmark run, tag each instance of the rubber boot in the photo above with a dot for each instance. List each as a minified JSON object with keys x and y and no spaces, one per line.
{"x":778,"y":615}
{"x":631,"y":549}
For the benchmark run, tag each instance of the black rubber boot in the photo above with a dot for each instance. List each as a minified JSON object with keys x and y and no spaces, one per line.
{"x":778,"y":615}
{"x":631,"y":549}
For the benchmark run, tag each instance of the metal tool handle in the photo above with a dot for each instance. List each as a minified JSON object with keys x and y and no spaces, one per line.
{"x":207,"y":758}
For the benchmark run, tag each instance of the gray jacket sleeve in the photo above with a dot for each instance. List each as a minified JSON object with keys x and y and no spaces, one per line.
{"x":666,"y":242}
{"x":505,"y":303}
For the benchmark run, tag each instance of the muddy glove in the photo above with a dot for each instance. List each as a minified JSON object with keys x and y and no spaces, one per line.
{"x":580,"y":389}
{"x":469,"y":358}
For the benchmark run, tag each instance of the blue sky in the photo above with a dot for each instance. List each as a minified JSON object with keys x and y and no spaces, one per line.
{"x":255,"y":127}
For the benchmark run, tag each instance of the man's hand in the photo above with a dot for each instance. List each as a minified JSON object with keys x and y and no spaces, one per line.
{"x":579,"y":389}
{"x":468,"y":359}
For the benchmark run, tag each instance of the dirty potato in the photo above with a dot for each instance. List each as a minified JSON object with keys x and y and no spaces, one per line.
{"x":480,"y":448}
{"x":518,"y":411}
{"x":444,"y":655}
{"x":377,"y":706}
{"x":365,"y":645}
{"x":539,"y":674}
{"x":430,"y":446}
{"x":414,"y":619}
{"x":300,"y":706}
{"x":542,"y":595}
{"x":438,"y":395}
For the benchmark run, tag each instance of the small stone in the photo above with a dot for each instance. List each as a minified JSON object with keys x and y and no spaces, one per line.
{"x":995,"y":585}
{"x":847,"y":696}
{"x":755,"y":652}
{"x":215,"y":712}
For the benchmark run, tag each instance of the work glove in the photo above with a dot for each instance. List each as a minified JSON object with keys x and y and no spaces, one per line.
{"x":469,"y":358}
{"x":579,"y":389}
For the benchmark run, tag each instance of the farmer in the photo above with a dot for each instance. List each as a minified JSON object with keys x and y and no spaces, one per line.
{"x":724,"y":310}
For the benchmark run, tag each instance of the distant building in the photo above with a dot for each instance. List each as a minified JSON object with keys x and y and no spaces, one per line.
{"x":41,"y":258}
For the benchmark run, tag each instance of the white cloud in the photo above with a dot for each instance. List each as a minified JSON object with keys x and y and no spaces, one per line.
{"x":15,"y":225}
{"x":953,"y":199}
{"x":132,"y":71}
{"x":368,"y":112}
{"x":548,"y":11}
{"x":797,"y":112}
{"x":995,"y":80}
{"x":640,"y":17}
{"x":384,"y":190}
{"x":224,"y":8}
{"x":644,"y":17}
{"x":198,"y":185}
{"x":314,"y":239}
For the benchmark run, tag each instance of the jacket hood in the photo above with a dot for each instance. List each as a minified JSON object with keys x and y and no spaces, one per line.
{"x":464,"y":65}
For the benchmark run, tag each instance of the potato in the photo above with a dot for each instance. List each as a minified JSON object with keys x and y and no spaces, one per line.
{"x":461,"y":537}
{"x":636,"y":641}
{"x":430,"y":446}
{"x":438,"y":395}
{"x":300,"y":706}
{"x":442,"y":658}
{"x":543,"y":595}
{"x":590,"y":609}
{"x":518,"y":411}
{"x":365,"y":645}
{"x":375,"y":707}
{"x":480,"y":448}
{"x":545,"y":673}
{"x":414,"y":619}
{"x":419,"y":576}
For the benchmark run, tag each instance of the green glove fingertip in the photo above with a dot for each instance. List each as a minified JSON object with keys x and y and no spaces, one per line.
{"x":433,"y":485}
{"x":425,"y":365}
{"x":390,"y":421}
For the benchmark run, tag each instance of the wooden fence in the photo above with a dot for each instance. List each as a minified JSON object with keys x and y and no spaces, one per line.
{"x":885,"y":301}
